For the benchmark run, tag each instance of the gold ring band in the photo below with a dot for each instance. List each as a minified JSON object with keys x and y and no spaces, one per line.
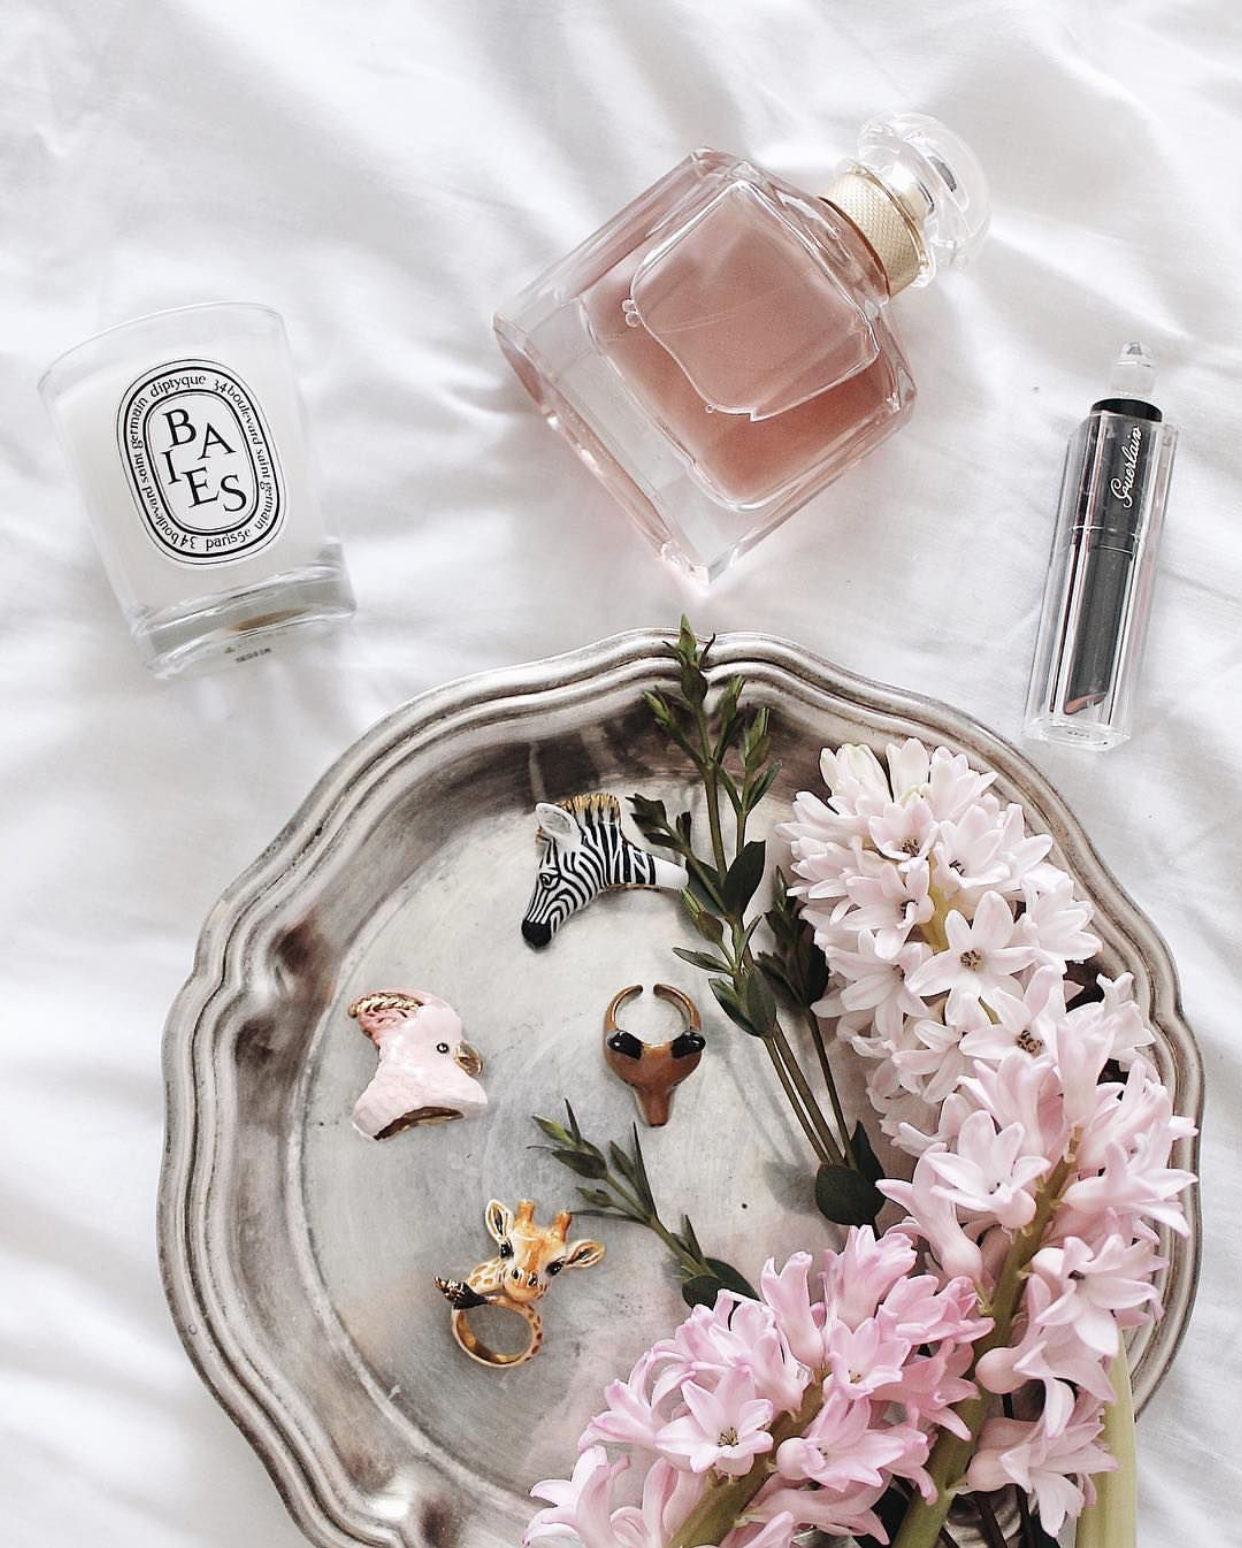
{"x":676,"y":997}
{"x":470,"y":1343}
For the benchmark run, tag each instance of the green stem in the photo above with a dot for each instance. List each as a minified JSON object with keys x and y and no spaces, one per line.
{"x":791,"y":1094}
{"x":638,"y":1207}
{"x":641,"y":1214}
{"x":720,"y":1508}
{"x":803,"y":1088}
{"x":693,"y":1266}
{"x":817,"y":1037}
{"x":1112,"y":1521}
{"x":988,"y":1522}
{"x":951,"y":1454}
{"x":713,"y":793}
{"x":933,"y":929}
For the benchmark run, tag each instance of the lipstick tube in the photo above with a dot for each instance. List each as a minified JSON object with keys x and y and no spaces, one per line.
{"x":1098,"y":595}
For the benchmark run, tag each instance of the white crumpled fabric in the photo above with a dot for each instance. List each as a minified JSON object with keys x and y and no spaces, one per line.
{"x":384,"y":174}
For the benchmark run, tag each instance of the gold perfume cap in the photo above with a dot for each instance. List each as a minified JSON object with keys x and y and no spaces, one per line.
{"x":916,"y":195}
{"x":883,"y":224}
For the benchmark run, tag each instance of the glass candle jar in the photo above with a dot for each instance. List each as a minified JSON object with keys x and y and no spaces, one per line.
{"x":186,"y":434}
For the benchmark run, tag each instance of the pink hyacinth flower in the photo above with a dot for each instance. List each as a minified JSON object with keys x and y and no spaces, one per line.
{"x":842,"y":1447}
{"x":778,"y":1532}
{"x":631,"y":1418}
{"x":1047,"y":1466}
{"x":1055,"y":1356}
{"x":579,"y":1506}
{"x":724,"y":1429}
{"x":866,"y":1357}
{"x":933,"y":1217}
{"x":980,"y":960}
{"x":1092,"y":1284}
{"x":669,"y":1495}
{"x":858,"y":1278}
{"x":789,"y":1296}
{"x":987,"y":1172}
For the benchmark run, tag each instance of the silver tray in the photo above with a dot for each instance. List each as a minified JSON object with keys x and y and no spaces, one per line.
{"x":298,"y":1258}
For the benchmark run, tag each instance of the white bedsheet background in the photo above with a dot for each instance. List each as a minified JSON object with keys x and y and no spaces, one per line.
{"x":384,"y":174}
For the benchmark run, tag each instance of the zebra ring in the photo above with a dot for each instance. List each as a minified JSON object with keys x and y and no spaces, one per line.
{"x":583,"y":852}
{"x":530,"y":1256}
{"x":653,"y":1069}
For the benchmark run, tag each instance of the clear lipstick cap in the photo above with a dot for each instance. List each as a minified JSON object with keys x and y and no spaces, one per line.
{"x":936,"y":180}
{"x":1133,"y":374}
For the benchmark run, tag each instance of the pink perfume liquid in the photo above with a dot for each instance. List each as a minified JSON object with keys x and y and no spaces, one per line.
{"x":745,"y":461}
{"x":718,"y":352}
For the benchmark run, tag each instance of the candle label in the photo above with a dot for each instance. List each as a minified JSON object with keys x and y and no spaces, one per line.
{"x":201,"y":463}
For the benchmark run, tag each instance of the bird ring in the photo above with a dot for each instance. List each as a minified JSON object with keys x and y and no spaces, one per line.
{"x":653,"y":1069}
{"x":530,"y":1256}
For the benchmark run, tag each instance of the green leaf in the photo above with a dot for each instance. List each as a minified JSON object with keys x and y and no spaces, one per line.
{"x":762,"y":785}
{"x":846,"y":1196}
{"x":755,"y":742}
{"x":703,"y":1289}
{"x":693,"y":684}
{"x":621,"y":1161}
{"x":731,"y":1279}
{"x":760,"y":1003}
{"x":581,"y":1165}
{"x":1111,"y":1521}
{"x":649,"y":816}
{"x":640,"y":1167}
{"x":576,"y":1139}
{"x":782,"y":928}
{"x":750,"y":929}
{"x":701,"y":959}
{"x":573,"y":1126}
{"x":726,"y":716}
{"x":726,"y":782}
{"x":704,"y":881}
{"x":744,"y":876}
{"x":687,"y":641}
{"x":708,"y":926}
{"x":868,"y":1165}
{"x":812,"y":967}
{"x":726,"y":998}
{"x":689,"y":1239}
{"x":662,"y":711}
{"x":555,"y":1131}
{"x":774,"y":971}
{"x":599,"y":1198}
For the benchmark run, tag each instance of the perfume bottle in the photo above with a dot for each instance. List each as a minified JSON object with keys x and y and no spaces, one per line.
{"x":1098,"y":595}
{"x":719,"y":351}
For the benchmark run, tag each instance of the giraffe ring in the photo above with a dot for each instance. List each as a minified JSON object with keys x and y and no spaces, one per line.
{"x":653,"y":1069}
{"x":530,"y":1256}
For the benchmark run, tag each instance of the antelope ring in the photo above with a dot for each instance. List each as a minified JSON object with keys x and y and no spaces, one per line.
{"x":653,"y":1069}
{"x":530,"y":1256}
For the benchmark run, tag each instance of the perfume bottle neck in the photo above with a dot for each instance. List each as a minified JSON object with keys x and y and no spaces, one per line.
{"x":888,"y":229}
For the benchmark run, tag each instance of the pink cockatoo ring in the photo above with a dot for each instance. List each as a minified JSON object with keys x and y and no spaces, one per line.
{"x":427,"y":1071}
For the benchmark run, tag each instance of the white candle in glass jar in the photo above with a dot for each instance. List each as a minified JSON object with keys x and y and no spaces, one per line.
{"x":187,"y":436}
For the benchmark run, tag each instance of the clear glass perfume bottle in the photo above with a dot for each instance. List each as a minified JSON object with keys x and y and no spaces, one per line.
{"x":718,"y":352}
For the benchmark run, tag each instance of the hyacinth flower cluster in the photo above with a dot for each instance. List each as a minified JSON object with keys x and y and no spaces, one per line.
{"x":1042,"y":1134}
{"x":760,"y":1418}
{"x":1040,"y":1138}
